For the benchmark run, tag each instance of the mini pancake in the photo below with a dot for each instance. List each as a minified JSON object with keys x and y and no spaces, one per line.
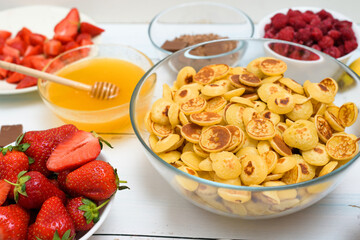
{"x":221,"y":70}
{"x":249,"y":79}
{"x":206,"y":165}
{"x":234,"y":198}
{"x":348,"y":114}
{"x":148,"y":122}
{"x":293,"y":85}
{"x":328,"y":168}
{"x":301,"y":99}
{"x":316,"y":156}
{"x":254,"y":169}
{"x":301,"y":111}
{"x":319,"y":92}
{"x":302,"y":135}
{"x":191,"y":132}
{"x":206,"y":118}
{"x":267,"y":197}
{"x":217,"y":88}
{"x":281,"y":126}
{"x":161,"y":130}
{"x":199,"y":151}
{"x":225,"y":165}
{"x":166,"y":143}
{"x":185,"y":76}
{"x":153,"y":139}
{"x":283,"y":194}
{"x":205,"y":75}
{"x":243,"y":101}
{"x":183,"y":119}
{"x":281,"y":103}
{"x":307,"y":171}
{"x":159,"y":111}
{"x":254,"y":67}
{"x":215,"y":139}
{"x":186,"y":92}
{"x":273,"y":177}
{"x":215,"y":104}
{"x":263,"y":146}
{"x":260,"y":129}
{"x":234,"y":115}
{"x":170,"y":157}
{"x":192,"y":160}
{"x":188,"y":147}
{"x":246,"y":151}
{"x":271,"y":79}
{"x":186,"y":183}
{"x":275,"y":118}
{"x":288,"y":122}
{"x":323,"y":128}
{"x":173,"y":114}
{"x":268,"y":89}
{"x":271,"y":159}
{"x":284,"y":164}
{"x":167,"y":92}
{"x":319,"y":108}
{"x":251,"y":96}
{"x":193,"y":105}
{"x":177,"y":145}
{"x":237,"y":70}
{"x":235,"y":81}
{"x":342,"y":146}
{"x":278,"y":144}
{"x":331,"y":108}
{"x":249,"y":114}
{"x":333,"y":121}
{"x":331,"y":84}
{"x":292,"y":176}
{"x":234,"y":93}
{"x":272,"y":66}
{"x":237,"y":136}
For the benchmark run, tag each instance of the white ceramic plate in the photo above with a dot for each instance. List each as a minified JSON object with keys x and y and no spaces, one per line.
{"x":39,"y":19}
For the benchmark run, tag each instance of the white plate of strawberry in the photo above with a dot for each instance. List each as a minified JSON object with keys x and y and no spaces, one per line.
{"x":31,"y":36}
{"x":55,"y":184}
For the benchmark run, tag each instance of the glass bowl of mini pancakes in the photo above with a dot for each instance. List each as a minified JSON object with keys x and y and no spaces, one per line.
{"x":246,"y":135}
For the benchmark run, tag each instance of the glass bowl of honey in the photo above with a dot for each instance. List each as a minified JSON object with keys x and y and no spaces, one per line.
{"x":118,"y":64}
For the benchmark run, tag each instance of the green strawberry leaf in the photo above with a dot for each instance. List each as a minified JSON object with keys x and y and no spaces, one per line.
{"x":66,"y":235}
{"x":91,"y":211}
{"x":19,"y":139}
{"x":101,"y":140}
{"x":31,"y":160}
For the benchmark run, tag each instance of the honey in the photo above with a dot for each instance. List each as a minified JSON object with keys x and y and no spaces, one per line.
{"x":104,"y":115}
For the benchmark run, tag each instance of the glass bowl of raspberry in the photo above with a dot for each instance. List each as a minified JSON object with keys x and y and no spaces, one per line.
{"x":192,"y":23}
{"x":322,"y":29}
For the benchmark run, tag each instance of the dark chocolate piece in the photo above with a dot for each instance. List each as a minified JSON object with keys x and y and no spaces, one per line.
{"x":9,"y":134}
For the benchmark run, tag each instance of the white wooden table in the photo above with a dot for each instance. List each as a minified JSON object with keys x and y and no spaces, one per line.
{"x":152,"y":210}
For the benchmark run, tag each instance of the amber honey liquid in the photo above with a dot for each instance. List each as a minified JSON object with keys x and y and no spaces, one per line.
{"x":122,"y":73}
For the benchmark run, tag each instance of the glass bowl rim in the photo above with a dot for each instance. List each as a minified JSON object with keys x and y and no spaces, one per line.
{"x":228,"y":186}
{"x":160,"y":14}
{"x":83,"y":47}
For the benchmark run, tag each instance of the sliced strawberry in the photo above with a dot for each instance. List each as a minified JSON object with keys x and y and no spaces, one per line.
{"x":27,"y":81}
{"x":4,"y":72}
{"x":71,"y":45}
{"x":91,"y":29}
{"x":66,"y":29}
{"x":52,"y":47}
{"x":24,"y":34}
{"x":80,"y":148}
{"x":4,"y":191}
{"x":39,"y":61}
{"x":86,"y":42}
{"x":37,"y":39}
{"x":18,"y":44}
{"x":10,"y":51}
{"x":4,"y":35}
{"x":33,"y":50}
{"x":15,"y":77}
{"x":82,"y":36}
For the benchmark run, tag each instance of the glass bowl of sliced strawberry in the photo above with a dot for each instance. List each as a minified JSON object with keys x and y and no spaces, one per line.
{"x":55,"y":184}
{"x":321,"y":29}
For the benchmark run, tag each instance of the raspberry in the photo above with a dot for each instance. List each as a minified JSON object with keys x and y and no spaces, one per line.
{"x":341,"y":24}
{"x":325,"y":25}
{"x":333,"y":51}
{"x":267,"y":27}
{"x":308,"y":16}
{"x":350,"y":45}
{"x":293,"y":13}
{"x":334,"y":34}
{"x":326,"y":42}
{"x":297,"y":22}
{"x":304,"y":34}
{"x":279,"y":20}
{"x":315,"y":21}
{"x":287,"y":33}
{"x":316,"y":34}
{"x":295,"y":55}
{"x":316,"y":47}
{"x":347,"y":33}
{"x":324,"y":14}
{"x":341,"y":49}
{"x":269,"y":34}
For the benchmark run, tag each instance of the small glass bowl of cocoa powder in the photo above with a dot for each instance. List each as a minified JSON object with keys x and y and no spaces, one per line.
{"x":188,"y":24}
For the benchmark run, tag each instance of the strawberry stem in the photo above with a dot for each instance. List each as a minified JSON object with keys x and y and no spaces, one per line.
{"x":20,"y":186}
{"x":101,"y":140}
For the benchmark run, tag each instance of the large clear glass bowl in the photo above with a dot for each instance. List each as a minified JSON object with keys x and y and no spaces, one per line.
{"x":259,"y":204}
{"x":198,"y":18}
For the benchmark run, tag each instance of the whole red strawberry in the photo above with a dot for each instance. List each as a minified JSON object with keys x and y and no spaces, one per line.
{"x":42,"y":143}
{"x":14,"y":221}
{"x":61,"y":179}
{"x":12,"y":162}
{"x":4,"y":191}
{"x":32,"y":189}
{"x":83,"y":212}
{"x":96,"y":180}
{"x":52,"y":220}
